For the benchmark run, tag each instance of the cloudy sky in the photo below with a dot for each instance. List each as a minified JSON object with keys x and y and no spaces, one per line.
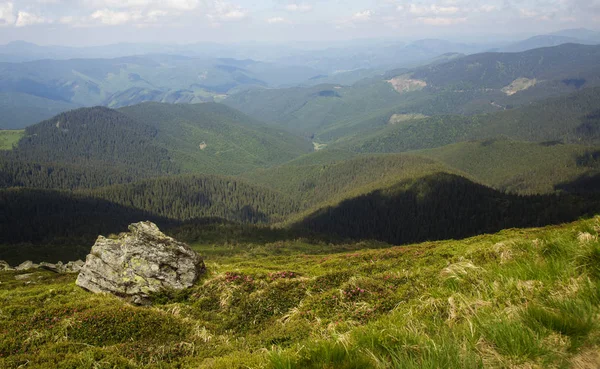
{"x":92,"y":22}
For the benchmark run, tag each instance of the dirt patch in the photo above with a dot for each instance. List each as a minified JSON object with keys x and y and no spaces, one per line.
{"x":399,"y":118}
{"x":519,"y":84}
{"x":319,"y":146}
{"x":588,"y":359}
{"x":403,"y":84}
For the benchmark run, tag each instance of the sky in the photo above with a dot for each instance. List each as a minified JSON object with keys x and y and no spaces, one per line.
{"x":96,"y":22}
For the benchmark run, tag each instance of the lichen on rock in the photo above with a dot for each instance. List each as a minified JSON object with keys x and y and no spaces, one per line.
{"x":139,"y":263}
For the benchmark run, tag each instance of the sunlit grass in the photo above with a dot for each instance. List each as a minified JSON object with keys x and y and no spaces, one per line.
{"x":526,"y":298}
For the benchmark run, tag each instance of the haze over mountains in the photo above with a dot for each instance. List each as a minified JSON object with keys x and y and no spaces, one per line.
{"x":37,"y":82}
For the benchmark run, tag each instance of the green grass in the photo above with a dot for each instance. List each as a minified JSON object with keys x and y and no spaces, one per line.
{"x":9,"y":138}
{"x":521,"y":297}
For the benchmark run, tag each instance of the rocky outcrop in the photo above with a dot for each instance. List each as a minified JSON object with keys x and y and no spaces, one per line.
{"x":140,"y":263}
{"x":4,"y":266}
{"x":70,"y":267}
{"x":26,"y":265}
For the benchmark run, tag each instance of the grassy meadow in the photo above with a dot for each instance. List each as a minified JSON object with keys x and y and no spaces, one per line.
{"x":8,"y":138}
{"x":521,"y":298}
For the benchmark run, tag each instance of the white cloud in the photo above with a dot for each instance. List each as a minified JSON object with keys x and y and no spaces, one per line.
{"x":148,"y":5}
{"x":7,"y":15}
{"x":528,"y":13}
{"x":224,"y":11}
{"x":488,"y":8}
{"x":432,"y":9}
{"x":363,"y":16}
{"x":276,"y":20}
{"x":28,"y":19}
{"x":114,"y":18}
{"x":441,"y":21}
{"x":301,"y":8}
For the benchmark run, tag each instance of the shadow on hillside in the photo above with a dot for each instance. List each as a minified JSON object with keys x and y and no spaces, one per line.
{"x":442,"y":206}
{"x":588,"y":184}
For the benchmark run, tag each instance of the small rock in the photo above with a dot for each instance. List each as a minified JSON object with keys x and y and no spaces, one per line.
{"x":56,"y":268}
{"x":74,"y":266}
{"x":139,"y":263}
{"x":26,"y":265}
{"x":4,"y":266}
{"x":21,"y":277}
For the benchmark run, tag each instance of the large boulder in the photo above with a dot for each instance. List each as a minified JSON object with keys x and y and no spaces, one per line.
{"x":140,"y":263}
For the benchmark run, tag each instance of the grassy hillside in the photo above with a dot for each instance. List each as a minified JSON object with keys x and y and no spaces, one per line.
{"x":9,"y":138}
{"x":519,"y":298}
{"x":570,"y":119}
{"x":213,"y":138}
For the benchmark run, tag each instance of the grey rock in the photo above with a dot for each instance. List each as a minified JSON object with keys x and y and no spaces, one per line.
{"x":4,"y":266}
{"x":74,"y":266}
{"x":21,"y":277}
{"x":140,"y":263}
{"x":26,"y":265}
{"x":56,"y":268}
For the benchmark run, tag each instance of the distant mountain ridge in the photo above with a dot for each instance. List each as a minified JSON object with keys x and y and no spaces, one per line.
{"x":473,"y":84}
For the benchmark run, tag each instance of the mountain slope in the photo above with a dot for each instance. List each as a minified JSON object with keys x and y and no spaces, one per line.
{"x":518,"y":167}
{"x":57,"y":85}
{"x":474,"y":84}
{"x":213,"y":138}
{"x":59,"y":222}
{"x":570,"y":119}
{"x":498,"y":70}
{"x":308,"y":110}
{"x":94,"y":135}
{"x":440,"y":206}
{"x":540,"y":41}
{"x":93,"y":147}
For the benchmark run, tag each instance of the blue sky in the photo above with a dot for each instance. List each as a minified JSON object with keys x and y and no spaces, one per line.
{"x":87,"y":22}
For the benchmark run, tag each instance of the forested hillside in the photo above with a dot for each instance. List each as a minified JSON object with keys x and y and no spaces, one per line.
{"x":498,"y":70}
{"x":441,"y":206}
{"x":476,"y":84}
{"x":49,"y":222}
{"x":94,"y":147}
{"x":519,"y":167}
{"x":570,"y":119}
{"x":90,"y":135}
{"x":213,"y":138}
